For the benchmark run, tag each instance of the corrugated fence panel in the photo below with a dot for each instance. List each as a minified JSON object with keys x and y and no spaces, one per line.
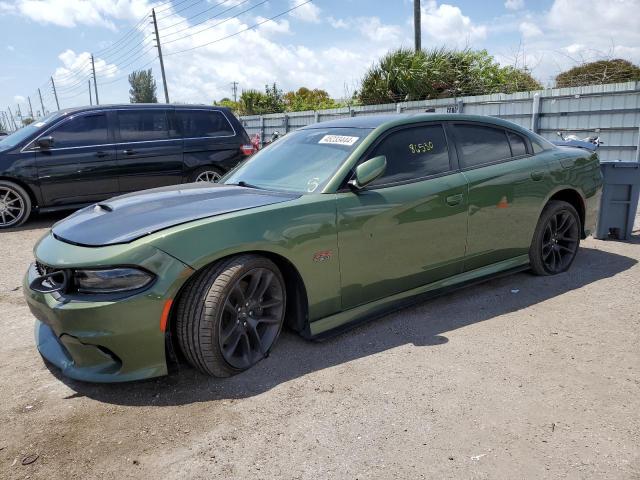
{"x":610,"y":111}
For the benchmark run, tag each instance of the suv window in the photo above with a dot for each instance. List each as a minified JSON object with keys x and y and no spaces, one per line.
{"x":479,"y":144}
{"x":413,"y":153}
{"x":203,"y":123}
{"x":518,"y":147}
{"x":81,"y":131}
{"x":141,"y":125}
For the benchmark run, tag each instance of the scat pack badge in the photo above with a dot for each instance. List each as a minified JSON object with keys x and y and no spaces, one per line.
{"x":322,"y":256}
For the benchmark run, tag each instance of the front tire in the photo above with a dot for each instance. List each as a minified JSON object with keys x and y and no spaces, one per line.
{"x":556,"y":239}
{"x":15,"y":205}
{"x":230,"y":315}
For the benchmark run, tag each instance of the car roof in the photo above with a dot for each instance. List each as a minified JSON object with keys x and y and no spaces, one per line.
{"x":392,"y":120}
{"x":124,"y":106}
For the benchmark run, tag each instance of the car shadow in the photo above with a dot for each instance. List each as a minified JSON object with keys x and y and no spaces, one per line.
{"x":40,"y":220}
{"x":422,"y":325}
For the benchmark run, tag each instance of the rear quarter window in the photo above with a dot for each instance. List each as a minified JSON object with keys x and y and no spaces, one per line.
{"x":480,"y":145}
{"x":204,"y":123}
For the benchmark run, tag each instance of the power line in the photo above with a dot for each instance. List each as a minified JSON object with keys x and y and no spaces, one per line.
{"x":210,"y":18}
{"x":181,"y":10}
{"x":197,"y":15}
{"x":241,"y":31}
{"x":219,"y":23}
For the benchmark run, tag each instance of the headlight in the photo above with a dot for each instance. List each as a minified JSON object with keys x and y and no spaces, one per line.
{"x":112,"y":280}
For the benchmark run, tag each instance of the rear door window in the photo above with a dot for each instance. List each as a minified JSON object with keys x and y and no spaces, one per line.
{"x":204,"y":123}
{"x":479,"y":145}
{"x":413,"y":153}
{"x":518,"y":146}
{"x":82,"y":131}
{"x":143,"y":125}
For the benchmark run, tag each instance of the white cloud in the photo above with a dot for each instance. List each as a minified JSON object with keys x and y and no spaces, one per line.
{"x":446,"y":24}
{"x":337,"y":22}
{"x":69,"y":14}
{"x":19,"y":99}
{"x":514,"y":4}
{"x":76,"y":68}
{"x":376,"y":31}
{"x":529,"y":29}
{"x":11,"y":48}
{"x":309,"y":12}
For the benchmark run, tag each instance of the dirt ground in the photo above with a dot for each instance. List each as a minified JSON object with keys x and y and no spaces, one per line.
{"x":520,"y":377}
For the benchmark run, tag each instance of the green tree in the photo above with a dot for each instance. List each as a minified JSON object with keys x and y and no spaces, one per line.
{"x":306,"y":99}
{"x":255,"y":102}
{"x":143,"y":87}
{"x":599,"y":72}
{"x":406,"y":75}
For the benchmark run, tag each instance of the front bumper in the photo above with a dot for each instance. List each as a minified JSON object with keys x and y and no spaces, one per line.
{"x":107,"y":340}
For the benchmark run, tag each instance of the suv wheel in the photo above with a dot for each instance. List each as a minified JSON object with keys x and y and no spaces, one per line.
{"x":206,"y":174}
{"x":15,"y":205}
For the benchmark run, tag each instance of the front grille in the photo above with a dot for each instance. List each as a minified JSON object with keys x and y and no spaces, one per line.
{"x":56,"y":282}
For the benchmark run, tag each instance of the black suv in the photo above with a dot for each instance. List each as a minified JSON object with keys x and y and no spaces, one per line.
{"x":79,"y":156}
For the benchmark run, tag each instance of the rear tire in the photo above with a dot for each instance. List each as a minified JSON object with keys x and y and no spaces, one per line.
{"x":206,"y":174}
{"x":15,"y":205}
{"x":231,"y":314}
{"x":556,"y":239}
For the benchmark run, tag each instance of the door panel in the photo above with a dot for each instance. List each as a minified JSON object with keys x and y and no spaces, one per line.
{"x":146,"y":154}
{"x":396,"y":238}
{"x":504,"y":204}
{"x":81,"y":166}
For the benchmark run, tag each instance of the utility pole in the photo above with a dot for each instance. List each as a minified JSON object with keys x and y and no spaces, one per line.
{"x":234,"y":87}
{"x":95,"y":82}
{"x":19,"y":114}
{"x":417,"y":25}
{"x":164,"y":78}
{"x":41,"y":102}
{"x":15,"y":125}
{"x":3,"y":127}
{"x":90,"y":100}
{"x":30,"y":108}
{"x":55,"y":94}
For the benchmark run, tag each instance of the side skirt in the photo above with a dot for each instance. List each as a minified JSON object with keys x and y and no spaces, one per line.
{"x":339,"y":322}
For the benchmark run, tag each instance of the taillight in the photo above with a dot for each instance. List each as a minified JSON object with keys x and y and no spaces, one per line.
{"x":248,"y":150}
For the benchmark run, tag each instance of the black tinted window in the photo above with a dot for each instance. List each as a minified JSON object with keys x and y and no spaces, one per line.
{"x":202,"y":123}
{"x":480,"y":145}
{"x":518,"y":147}
{"x":141,"y":125}
{"x":86,"y":130}
{"x":413,"y":153}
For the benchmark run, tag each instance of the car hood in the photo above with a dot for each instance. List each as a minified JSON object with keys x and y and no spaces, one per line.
{"x":132,"y":216}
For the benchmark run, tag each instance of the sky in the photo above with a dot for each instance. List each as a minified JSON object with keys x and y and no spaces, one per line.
{"x":328,"y":44}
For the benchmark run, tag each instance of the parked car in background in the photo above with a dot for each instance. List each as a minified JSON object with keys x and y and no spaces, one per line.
{"x":332,"y":224}
{"x":79,"y":156}
{"x":3,"y":134}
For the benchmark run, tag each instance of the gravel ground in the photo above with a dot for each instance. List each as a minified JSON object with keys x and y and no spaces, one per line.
{"x":520,"y":377}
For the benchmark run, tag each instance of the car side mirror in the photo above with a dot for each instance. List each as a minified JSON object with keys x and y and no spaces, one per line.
{"x":45,"y":143}
{"x":368,"y":171}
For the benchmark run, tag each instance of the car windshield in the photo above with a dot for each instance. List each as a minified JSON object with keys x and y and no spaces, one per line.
{"x":25,"y":132}
{"x":302,"y":161}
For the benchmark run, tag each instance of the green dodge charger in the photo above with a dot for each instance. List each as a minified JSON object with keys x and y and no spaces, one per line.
{"x":333,"y":224}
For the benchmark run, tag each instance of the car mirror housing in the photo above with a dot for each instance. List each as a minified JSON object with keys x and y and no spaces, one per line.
{"x":368,"y":171}
{"x":45,"y":143}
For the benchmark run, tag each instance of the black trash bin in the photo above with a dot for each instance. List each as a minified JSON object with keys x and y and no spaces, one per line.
{"x":619,"y":203}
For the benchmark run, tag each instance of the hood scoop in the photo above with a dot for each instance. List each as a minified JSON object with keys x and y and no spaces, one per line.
{"x":129,"y":217}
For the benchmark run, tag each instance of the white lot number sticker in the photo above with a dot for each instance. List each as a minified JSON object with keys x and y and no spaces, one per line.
{"x":339,"y":140}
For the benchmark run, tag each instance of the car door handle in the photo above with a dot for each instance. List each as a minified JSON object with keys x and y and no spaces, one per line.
{"x":453,"y":200}
{"x":129,"y":152}
{"x":537,"y":176}
{"x":101,"y":154}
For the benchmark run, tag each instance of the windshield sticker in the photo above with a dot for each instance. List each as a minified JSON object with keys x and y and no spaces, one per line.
{"x":313,"y":184}
{"x":39,"y":124}
{"x":339,"y":140}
